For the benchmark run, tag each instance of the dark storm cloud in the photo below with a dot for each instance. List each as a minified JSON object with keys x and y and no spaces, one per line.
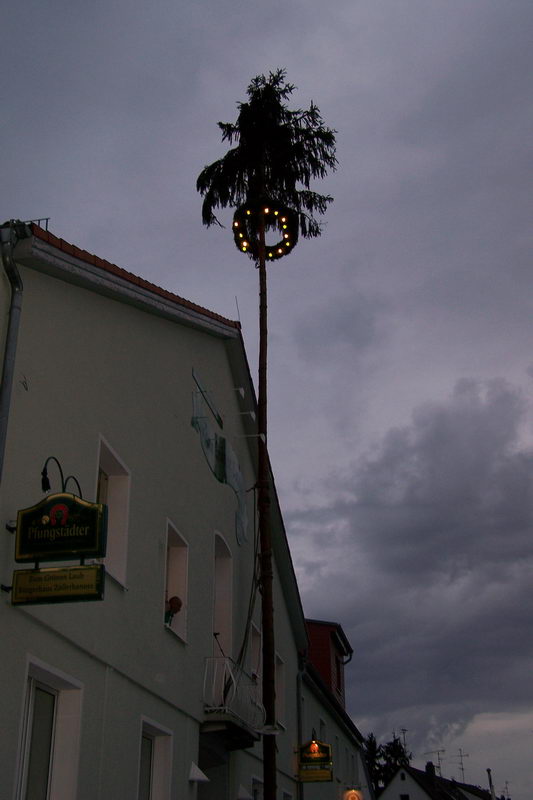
{"x":427,"y":556}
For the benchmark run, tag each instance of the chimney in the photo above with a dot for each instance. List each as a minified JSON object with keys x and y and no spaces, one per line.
{"x":430,"y":771}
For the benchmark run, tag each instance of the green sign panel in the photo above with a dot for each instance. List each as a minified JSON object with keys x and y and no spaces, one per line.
{"x":58,"y":585}
{"x":59,"y":528}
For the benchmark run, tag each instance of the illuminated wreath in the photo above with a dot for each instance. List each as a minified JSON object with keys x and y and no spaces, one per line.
{"x":246,"y":228}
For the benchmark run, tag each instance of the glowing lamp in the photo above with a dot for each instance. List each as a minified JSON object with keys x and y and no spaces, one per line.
{"x":352,"y":794}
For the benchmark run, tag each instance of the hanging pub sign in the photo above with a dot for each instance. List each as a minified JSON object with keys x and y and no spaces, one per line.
{"x":61,"y":527}
{"x":315,"y":762}
{"x":58,"y":585}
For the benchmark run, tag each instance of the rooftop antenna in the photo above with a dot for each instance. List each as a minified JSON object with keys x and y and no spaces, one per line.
{"x":436,"y":753}
{"x":461,"y":756}
{"x":38,"y":221}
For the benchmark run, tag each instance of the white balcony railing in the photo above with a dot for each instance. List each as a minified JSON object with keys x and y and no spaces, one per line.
{"x":230,"y":691}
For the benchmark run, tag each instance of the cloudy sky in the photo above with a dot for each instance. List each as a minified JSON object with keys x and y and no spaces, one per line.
{"x":401,"y":363}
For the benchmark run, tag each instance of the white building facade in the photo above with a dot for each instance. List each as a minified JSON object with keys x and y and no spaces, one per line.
{"x":145,"y":399}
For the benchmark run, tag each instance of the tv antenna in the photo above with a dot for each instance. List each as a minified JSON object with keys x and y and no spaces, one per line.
{"x":506,"y":790}
{"x":436,"y":753}
{"x":461,"y":756}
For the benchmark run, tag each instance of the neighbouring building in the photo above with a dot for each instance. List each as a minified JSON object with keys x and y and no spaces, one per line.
{"x":146,"y":403}
{"x":415,"y":784}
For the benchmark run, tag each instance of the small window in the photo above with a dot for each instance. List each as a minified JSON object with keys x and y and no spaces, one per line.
{"x":402,"y":776}
{"x":154,"y":762}
{"x":175,"y":614}
{"x":404,"y":797}
{"x":113,"y":489}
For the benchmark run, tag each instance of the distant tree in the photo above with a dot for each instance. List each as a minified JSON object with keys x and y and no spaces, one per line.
{"x":384,"y":759}
{"x":371,"y":751}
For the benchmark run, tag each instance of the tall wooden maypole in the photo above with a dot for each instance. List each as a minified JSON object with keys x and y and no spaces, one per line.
{"x":277,"y":151}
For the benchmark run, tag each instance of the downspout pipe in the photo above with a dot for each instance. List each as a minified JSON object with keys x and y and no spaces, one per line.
{"x":10,"y":233}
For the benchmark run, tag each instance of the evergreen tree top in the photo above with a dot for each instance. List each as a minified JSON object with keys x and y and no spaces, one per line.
{"x":277,"y":152}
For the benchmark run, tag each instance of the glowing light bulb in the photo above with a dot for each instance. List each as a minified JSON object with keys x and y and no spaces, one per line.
{"x":287,"y":244}
{"x":284,"y":219}
{"x":284,"y":227}
{"x":235,"y":224}
{"x":242,"y":235}
{"x":267,"y":210}
{"x":248,"y":212}
{"x":276,"y":213}
{"x":270,"y":255}
{"x":245,"y":244}
{"x":280,"y":250}
{"x":285,"y":235}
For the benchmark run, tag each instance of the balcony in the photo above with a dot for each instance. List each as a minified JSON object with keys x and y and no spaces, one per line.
{"x":232,"y":703}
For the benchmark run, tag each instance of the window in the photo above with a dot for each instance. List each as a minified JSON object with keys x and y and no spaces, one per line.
{"x":347,"y":763}
{"x":256,"y":656}
{"x":222,"y":600}
{"x":280,"y":689}
{"x":257,"y":789}
{"x":113,"y":489}
{"x":402,"y":776}
{"x":154,"y":762}
{"x":41,"y":723}
{"x":50,"y":736}
{"x":145,"y":767}
{"x":175,"y":614}
{"x":404,"y":797}
{"x":339,"y":675}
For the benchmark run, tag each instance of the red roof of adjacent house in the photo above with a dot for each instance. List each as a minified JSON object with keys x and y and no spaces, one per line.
{"x":107,"y":266}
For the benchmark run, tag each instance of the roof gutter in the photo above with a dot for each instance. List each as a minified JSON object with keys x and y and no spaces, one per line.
{"x":10,"y":233}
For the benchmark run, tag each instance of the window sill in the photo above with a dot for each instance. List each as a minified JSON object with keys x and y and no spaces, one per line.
{"x":172,"y":632}
{"x":117,"y":582}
